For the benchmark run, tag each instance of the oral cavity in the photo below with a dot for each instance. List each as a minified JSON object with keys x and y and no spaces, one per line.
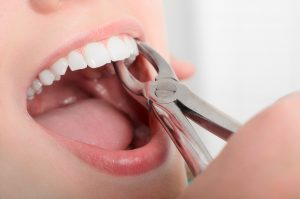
{"x":92,"y":55}
{"x":80,"y":98}
{"x":112,"y":130}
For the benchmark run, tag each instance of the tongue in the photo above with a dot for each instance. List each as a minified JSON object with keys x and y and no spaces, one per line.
{"x":92,"y":122}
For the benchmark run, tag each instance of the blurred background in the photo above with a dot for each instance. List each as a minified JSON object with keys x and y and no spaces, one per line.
{"x":246,"y":52}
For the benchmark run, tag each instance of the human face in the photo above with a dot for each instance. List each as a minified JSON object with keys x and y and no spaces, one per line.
{"x":40,"y":157}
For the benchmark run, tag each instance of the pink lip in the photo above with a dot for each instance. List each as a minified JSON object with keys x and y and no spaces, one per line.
{"x":118,"y":162}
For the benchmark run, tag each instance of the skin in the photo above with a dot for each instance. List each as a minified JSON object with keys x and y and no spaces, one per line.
{"x":260,"y":161}
{"x":33,"y":164}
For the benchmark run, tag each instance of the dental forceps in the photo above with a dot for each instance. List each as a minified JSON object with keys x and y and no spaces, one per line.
{"x":173,"y":103}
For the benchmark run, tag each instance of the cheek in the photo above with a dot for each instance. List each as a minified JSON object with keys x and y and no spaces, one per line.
{"x":45,"y":6}
{"x":152,"y":18}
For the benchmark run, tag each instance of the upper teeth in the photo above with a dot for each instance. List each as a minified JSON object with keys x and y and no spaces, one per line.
{"x":94,"y":55}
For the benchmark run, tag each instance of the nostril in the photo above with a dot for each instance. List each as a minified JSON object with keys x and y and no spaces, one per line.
{"x":45,"y":6}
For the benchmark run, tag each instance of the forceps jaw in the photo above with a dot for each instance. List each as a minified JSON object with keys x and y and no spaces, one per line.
{"x":158,"y":62}
{"x":148,"y":89}
{"x":128,"y":80}
{"x":134,"y":85}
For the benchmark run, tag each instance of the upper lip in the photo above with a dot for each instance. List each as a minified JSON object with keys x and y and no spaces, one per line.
{"x":126,"y":25}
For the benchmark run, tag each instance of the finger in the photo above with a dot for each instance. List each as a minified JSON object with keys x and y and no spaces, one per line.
{"x":183,"y":69}
{"x":264,"y":154}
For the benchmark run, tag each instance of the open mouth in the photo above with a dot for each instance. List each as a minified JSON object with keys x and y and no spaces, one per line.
{"x":80,"y":101}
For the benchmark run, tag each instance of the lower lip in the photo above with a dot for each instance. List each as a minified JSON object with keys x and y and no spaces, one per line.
{"x":122,"y":162}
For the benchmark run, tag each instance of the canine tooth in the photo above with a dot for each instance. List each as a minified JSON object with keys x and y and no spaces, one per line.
{"x":96,"y":55}
{"x":39,"y":91}
{"x":76,"y":61}
{"x":135,"y":50}
{"x":129,"y":45}
{"x":36,"y":85}
{"x":30,"y":94}
{"x":117,"y":49}
{"x":46,"y":77}
{"x":59,"y":67}
{"x":130,"y":60}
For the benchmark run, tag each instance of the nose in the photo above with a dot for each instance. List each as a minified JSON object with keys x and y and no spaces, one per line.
{"x":45,"y":6}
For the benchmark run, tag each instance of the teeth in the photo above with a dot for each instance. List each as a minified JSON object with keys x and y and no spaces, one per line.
{"x":96,"y":55}
{"x":129,"y":45}
{"x":30,"y":94}
{"x":130,"y":60}
{"x":59,"y":68}
{"x":132,"y":46}
{"x":39,"y":91}
{"x":76,"y":61}
{"x":135,"y":48}
{"x":46,"y":77}
{"x":37,"y":85}
{"x":117,"y":49}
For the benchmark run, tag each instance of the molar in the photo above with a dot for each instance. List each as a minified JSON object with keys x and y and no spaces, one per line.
{"x":30,"y":94}
{"x":36,"y":85}
{"x":46,"y":77}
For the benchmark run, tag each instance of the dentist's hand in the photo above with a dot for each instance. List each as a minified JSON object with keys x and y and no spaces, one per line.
{"x":183,"y":69}
{"x":261,"y":161}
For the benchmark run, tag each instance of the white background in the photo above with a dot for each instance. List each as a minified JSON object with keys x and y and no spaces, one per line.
{"x":246,"y":52}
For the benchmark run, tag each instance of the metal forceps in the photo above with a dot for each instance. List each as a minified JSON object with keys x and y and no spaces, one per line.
{"x":172,"y":103}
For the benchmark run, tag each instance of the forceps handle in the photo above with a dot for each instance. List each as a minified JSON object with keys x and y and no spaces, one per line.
{"x":173,"y":103}
{"x":184,"y":136}
{"x":205,"y":115}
